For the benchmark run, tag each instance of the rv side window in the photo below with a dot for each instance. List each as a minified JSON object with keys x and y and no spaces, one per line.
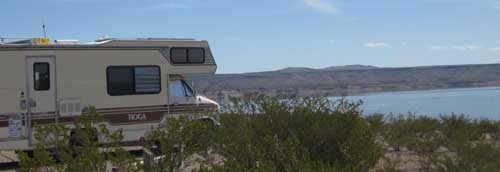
{"x":132,"y":80}
{"x":41,"y":76}
{"x":120,"y":81}
{"x":196,"y":55}
{"x":187,"y":55}
{"x":147,"y":80}
{"x":178,"y":55}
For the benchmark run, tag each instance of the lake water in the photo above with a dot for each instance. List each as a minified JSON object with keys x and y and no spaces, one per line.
{"x":474,"y":102}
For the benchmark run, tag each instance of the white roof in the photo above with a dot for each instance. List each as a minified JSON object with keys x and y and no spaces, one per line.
{"x":110,"y":42}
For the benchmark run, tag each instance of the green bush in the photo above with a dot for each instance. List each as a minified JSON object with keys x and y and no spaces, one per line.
{"x":487,"y":126}
{"x":448,"y":143}
{"x":459,"y":130}
{"x":75,"y":149}
{"x":285,"y":134}
{"x":259,"y":133}
{"x":416,"y":133}
{"x":181,"y":138}
{"x":473,"y":157}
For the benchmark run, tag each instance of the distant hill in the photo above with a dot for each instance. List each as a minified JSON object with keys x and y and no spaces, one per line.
{"x":332,"y":68}
{"x":349,"y":80}
{"x":349,"y":67}
{"x":295,"y":69}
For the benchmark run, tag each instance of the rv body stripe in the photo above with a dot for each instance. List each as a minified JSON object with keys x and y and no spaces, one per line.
{"x":172,"y":106}
{"x":121,"y":116}
{"x":11,"y":139}
{"x":158,"y":109}
{"x":4,"y":124}
{"x":107,"y":114}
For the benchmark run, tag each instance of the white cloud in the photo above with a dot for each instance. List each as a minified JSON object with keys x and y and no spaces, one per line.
{"x":460,"y":48}
{"x":171,"y":4}
{"x":437,"y":48}
{"x":403,"y":43}
{"x":322,"y":6}
{"x":495,"y":4}
{"x":376,"y":45}
{"x":473,"y":47}
{"x":456,"y":48}
{"x":496,"y":49}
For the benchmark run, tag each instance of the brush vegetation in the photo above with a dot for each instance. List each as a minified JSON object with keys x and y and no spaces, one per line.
{"x":260,"y":133}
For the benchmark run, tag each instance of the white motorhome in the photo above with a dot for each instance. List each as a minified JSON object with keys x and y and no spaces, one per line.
{"x":134,"y":83}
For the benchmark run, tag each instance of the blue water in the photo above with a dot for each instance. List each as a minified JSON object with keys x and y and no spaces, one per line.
{"x":474,"y":102}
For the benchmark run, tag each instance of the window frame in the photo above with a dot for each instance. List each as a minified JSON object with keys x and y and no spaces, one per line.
{"x":187,"y":55}
{"x":133,"y":80}
{"x":186,"y":88}
{"x":34,"y":76}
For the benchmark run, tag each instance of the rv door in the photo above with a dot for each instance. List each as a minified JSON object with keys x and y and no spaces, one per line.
{"x":41,"y":85}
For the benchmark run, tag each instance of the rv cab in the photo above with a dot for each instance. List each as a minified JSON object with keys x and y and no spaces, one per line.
{"x":183,"y":93}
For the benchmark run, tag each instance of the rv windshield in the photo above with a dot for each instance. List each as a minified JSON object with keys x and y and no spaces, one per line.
{"x":179,"y":88}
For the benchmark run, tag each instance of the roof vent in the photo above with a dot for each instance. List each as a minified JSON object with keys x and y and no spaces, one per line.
{"x":165,"y":39}
{"x":67,"y":41}
{"x":30,"y":41}
{"x":104,"y":38}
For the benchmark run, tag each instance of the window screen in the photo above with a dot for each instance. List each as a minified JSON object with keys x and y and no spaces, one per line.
{"x":187,"y":55}
{"x":147,"y":80}
{"x":41,"y":76}
{"x":130,"y":80}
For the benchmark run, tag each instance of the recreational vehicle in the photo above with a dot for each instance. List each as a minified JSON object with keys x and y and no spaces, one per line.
{"x":135,"y":84}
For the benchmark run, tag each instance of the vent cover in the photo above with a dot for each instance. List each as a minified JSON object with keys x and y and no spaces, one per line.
{"x":70,"y":107}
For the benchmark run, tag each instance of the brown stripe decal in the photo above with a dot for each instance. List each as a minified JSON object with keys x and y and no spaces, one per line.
{"x":125,"y":115}
{"x":4,"y":123}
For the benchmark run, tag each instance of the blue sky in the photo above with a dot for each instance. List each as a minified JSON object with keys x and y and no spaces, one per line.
{"x":260,"y":35}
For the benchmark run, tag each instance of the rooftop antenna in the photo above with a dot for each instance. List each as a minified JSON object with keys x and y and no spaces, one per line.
{"x":44,"y":29}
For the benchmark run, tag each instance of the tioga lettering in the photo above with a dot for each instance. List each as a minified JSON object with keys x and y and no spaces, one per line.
{"x":137,"y":117}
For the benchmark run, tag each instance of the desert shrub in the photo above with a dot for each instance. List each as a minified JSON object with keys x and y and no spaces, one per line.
{"x":488,"y":126}
{"x":283,"y":134}
{"x":480,"y":157}
{"x":376,"y":122}
{"x":458,"y":130}
{"x":416,"y":133}
{"x":473,"y":157}
{"x":181,"y":138}
{"x":448,"y":143}
{"x":468,"y":152}
{"x":61,"y":148}
{"x":419,"y":134}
